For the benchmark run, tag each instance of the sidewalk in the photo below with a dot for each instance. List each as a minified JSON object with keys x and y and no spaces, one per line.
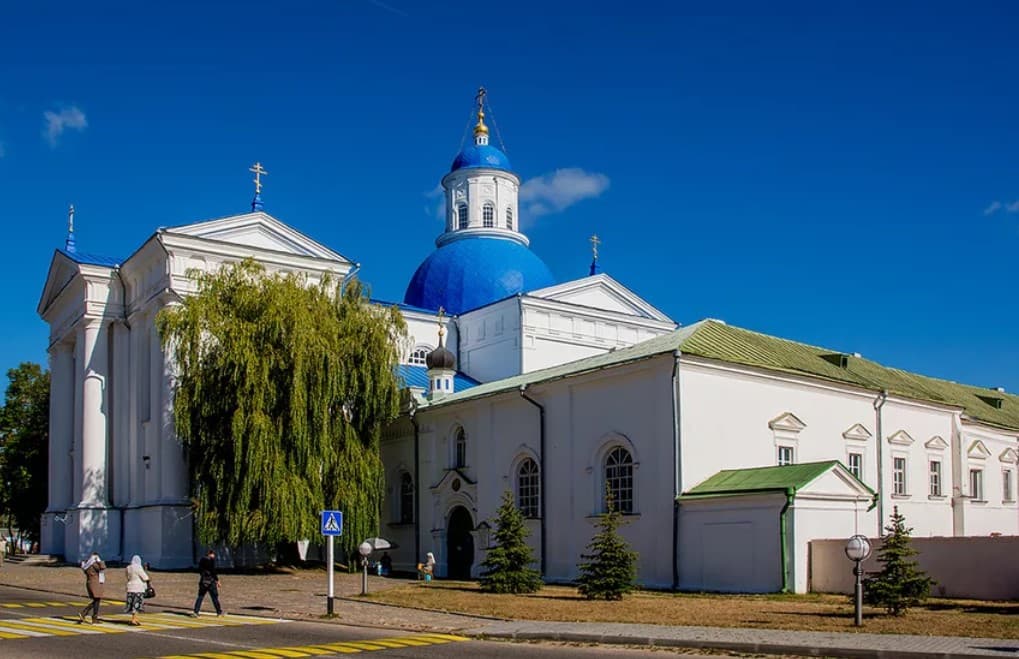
{"x":301,"y":595}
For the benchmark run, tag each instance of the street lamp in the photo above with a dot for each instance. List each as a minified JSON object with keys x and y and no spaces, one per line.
{"x":857,"y":550}
{"x":364,"y":549}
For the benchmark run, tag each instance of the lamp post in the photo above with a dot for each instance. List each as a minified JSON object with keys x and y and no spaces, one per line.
{"x":857,"y":550}
{"x":364,"y":549}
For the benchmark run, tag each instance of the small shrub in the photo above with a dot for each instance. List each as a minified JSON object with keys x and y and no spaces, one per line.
{"x":507,"y":565}
{"x":610,"y":569}
{"x":901,"y":583}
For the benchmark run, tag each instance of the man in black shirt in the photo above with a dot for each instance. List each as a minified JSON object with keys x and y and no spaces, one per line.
{"x":208,"y":582}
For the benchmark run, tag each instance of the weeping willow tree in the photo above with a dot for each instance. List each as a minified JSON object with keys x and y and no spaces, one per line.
{"x":283,"y":389}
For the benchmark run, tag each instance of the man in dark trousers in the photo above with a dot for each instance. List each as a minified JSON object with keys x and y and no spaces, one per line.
{"x":208,"y":582}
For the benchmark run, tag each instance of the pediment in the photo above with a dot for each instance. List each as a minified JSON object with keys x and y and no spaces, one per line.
{"x":788,"y":422}
{"x":448,"y":480}
{"x":837,"y":482}
{"x":62,"y":271}
{"x":936,"y":443}
{"x":857,"y":433}
{"x":259,"y":230}
{"x":901,"y":437}
{"x":1008,"y":455}
{"x":601,"y":292}
{"x":978,"y":451}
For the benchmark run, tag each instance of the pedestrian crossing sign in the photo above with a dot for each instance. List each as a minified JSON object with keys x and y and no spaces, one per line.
{"x":332,"y":522}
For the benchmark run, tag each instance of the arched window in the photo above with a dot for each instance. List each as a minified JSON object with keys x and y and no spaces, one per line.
{"x":488,"y":215}
{"x":461,"y":214}
{"x":509,"y":217}
{"x":619,"y":479}
{"x":460,"y":448}
{"x":406,"y":499}
{"x":417,"y":356}
{"x":528,"y":488}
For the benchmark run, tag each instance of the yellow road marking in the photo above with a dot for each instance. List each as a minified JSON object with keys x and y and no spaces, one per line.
{"x":11,"y":635}
{"x":313,"y":649}
{"x":339,"y":647}
{"x":12,"y":606}
{"x":255,"y":655}
{"x":72,"y":623}
{"x":36,"y":605}
{"x":45,"y":629}
{"x":285,"y":652}
{"x":215,"y":655}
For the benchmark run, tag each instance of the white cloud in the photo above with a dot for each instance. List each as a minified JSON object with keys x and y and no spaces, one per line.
{"x":1008,"y":207}
{"x":1013,"y":207}
{"x":62,"y":120}
{"x":437,"y":202}
{"x":993,"y":208}
{"x":555,"y":192}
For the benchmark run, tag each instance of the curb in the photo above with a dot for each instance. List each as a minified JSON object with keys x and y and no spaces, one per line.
{"x":733,"y":646}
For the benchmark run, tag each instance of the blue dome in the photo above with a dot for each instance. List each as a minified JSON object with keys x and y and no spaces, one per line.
{"x":481,"y":155}
{"x":472,"y":272}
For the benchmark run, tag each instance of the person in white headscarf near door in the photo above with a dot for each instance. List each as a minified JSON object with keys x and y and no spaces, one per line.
{"x":95,"y":579}
{"x":137,"y":581}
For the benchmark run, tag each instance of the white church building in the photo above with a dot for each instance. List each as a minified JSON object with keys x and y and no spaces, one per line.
{"x":726,"y":449}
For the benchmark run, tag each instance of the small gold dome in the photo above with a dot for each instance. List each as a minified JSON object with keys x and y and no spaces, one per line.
{"x":480,"y":128}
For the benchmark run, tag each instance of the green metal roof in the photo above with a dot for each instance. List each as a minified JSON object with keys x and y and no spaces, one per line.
{"x":712,"y":339}
{"x":715,"y":340}
{"x":760,"y":479}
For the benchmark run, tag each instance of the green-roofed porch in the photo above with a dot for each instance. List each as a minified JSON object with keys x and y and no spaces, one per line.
{"x":748,"y":530}
{"x":785,"y":478}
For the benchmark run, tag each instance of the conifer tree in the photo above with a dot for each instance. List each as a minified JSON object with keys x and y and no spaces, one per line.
{"x":282,"y":391}
{"x":901,"y":583}
{"x":610,"y":569}
{"x":507,"y":565}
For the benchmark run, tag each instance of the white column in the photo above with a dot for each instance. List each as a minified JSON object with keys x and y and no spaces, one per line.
{"x":173,"y":476}
{"x":94,"y":366}
{"x":118,"y":404}
{"x":61,"y":426}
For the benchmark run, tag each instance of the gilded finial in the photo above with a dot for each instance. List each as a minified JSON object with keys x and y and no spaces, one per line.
{"x":480,"y":128}
{"x":442,"y":324}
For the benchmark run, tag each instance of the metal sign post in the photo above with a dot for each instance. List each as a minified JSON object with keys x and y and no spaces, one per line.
{"x":332,"y":526}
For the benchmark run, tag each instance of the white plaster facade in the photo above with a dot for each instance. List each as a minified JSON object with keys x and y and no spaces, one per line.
{"x":117,"y":474}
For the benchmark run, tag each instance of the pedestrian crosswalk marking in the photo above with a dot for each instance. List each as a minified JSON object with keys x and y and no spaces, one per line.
{"x":323,"y":649}
{"x":42,"y":605}
{"x":17,"y":628}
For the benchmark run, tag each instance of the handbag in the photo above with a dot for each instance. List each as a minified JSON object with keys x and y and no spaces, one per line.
{"x":150,"y":592}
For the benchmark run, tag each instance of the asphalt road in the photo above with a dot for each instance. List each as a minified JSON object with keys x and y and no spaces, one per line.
{"x":34,"y":624}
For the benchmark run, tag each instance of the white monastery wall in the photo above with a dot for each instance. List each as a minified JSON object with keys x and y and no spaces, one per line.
{"x":993,"y":511}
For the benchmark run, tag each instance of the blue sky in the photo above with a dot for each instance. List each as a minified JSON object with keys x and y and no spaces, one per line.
{"x":843,"y":174}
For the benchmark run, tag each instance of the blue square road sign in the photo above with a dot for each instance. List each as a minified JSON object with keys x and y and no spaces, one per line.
{"x":332,"y":522}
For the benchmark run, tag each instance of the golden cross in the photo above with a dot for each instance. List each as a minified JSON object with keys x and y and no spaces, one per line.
{"x":442,"y":325}
{"x":480,"y":98}
{"x":70,"y":218}
{"x":595,"y":241}
{"x":259,"y":173}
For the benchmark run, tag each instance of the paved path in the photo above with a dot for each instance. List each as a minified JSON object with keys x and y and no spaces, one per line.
{"x":301,"y":595}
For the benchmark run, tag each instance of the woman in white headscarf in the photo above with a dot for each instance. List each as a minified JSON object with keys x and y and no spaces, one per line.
{"x":137,"y":580}
{"x":95,"y":578}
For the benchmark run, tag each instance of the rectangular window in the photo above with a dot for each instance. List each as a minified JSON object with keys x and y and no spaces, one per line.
{"x":785,"y":455}
{"x":935,"y":478}
{"x":1006,"y":485}
{"x":856,"y":465}
{"x":976,"y":484}
{"x":899,"y":476}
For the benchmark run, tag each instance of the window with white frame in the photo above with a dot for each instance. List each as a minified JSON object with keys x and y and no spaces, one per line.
{"x":899,"y":476}
{"x":418,"y":355}
{"x":460,"y":449}
{"x":528,"y":488}
{"x":856,"y":465}
{"x":488,"y":215}
{"x":976,"y":484}
{"x":786,"y":455}
{"x":509,"y":218}
{"x":935,"y":473}
{"x":1007,"y":494}
{"x":406,"y":499}
{"x":619,"y":479}
{"x":461,"y":214}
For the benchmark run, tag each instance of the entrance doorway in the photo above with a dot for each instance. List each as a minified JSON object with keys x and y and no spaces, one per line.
{"x":459,"y":544}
